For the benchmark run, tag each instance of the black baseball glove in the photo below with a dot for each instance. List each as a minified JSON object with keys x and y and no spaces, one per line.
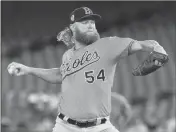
{"x":153,"y":62}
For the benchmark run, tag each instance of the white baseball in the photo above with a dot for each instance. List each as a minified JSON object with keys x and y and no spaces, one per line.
{"x":12,"y":70}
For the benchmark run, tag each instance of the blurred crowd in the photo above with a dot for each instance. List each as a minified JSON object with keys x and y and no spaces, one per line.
{"x":147,"y":114}
{"x":155,"y":114}
{"x":41,"y":111}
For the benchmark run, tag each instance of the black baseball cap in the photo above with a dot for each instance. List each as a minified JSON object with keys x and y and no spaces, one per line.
{"x":83,"y":13}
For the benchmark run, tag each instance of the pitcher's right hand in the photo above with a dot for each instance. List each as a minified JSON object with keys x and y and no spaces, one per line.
{"x":17,"y":69}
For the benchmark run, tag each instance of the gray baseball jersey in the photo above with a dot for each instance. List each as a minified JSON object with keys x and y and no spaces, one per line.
{"x":88,"y":78}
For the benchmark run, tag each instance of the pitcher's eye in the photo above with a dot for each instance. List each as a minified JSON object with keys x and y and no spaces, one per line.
{"x":92,"y":22}
{"x":84,"y":22}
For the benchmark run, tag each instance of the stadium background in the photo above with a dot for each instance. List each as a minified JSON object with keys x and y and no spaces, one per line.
{"x":28,"y":36}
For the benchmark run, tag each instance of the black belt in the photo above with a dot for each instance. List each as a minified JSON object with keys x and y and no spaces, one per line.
{"x":83,"y":124}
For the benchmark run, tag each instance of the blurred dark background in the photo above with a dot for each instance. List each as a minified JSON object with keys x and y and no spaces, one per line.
{"x":28,"y":36}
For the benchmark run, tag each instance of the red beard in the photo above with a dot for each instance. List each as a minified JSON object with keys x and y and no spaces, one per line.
{"x":87,"y":38}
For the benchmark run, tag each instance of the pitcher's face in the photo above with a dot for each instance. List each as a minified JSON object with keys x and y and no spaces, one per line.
{"x":86,"y":32}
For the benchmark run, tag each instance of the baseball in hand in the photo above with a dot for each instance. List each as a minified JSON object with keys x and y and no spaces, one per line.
{"x":12,"y":70}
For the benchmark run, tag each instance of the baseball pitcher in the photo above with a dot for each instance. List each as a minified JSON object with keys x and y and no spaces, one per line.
{"x":87,"y":72}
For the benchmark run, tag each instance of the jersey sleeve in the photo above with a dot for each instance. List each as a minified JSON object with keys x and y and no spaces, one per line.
{"x":67,"y":56}
{"x":118,"y":47}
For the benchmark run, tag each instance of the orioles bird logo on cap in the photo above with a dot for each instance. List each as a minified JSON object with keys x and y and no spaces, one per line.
{"x":87,"y":10}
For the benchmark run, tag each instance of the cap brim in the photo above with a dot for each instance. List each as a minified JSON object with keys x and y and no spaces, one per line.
{"x":94,"y":17}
